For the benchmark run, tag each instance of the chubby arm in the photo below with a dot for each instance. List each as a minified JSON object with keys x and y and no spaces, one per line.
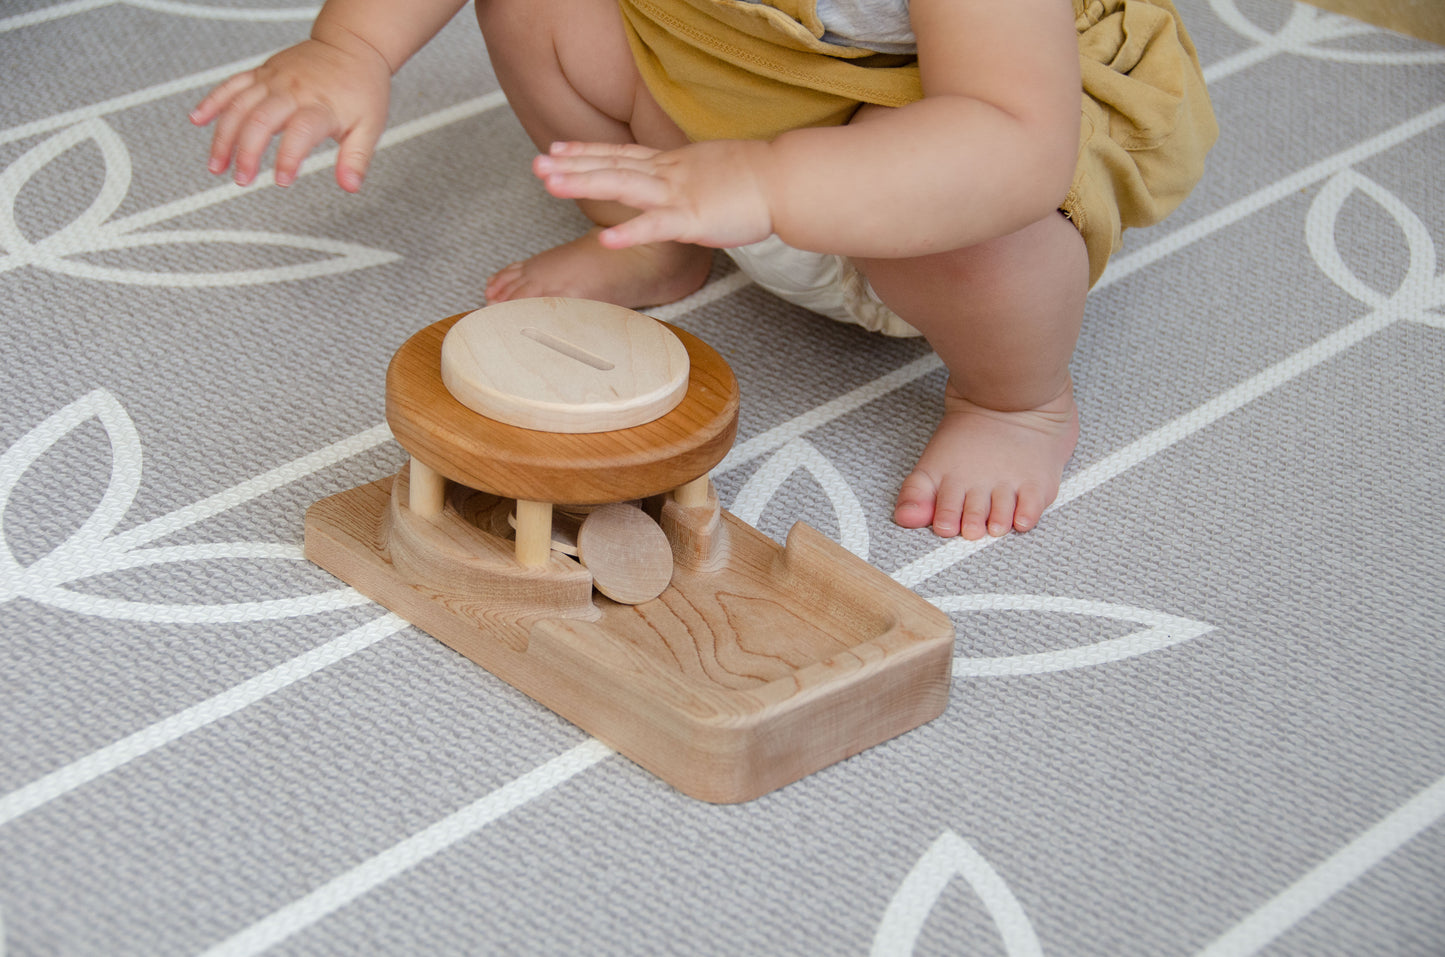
{"x":989,"y":149}
{"x":337,"y":84}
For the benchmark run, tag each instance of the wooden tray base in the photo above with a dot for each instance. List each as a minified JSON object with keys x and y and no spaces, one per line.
{"x":758,"y":665}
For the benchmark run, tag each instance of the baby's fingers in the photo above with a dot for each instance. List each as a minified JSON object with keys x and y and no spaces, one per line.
{"x":219,"y":98}
{"x":261,"y":124}
{"x":306,"y":129}
{"x":550,"y":165}
{"x":633,"y":151}
{"x":354,"y":156}
{"x":654,"y":226}
{"x":627,"y":186}
{"x":229,"y":123}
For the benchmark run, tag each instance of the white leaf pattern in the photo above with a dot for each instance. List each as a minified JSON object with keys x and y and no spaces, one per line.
{"x":753,"y":497}
{"x":73,"y":8}
{"x":1420,"y":286}
{"x":948,"y":857}
{"x":208,"y":12}
{"x":1307,"y":28}
{"x":94,"y":548}
{"x":117,"y":182}
{"x":94,"y":232}
{"x":1162,"y":631}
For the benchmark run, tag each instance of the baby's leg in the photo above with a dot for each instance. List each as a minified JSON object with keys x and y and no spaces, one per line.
{"x":568,"y":74}
{"x":1004,"y":317}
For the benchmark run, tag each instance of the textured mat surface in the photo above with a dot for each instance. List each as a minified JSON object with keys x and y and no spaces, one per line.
{"x":1200,"y":709}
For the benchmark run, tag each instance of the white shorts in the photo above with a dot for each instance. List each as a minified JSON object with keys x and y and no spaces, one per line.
{"x":828,"y":285}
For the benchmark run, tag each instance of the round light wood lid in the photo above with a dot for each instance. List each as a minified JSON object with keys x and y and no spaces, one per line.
{"x":564,"y":365}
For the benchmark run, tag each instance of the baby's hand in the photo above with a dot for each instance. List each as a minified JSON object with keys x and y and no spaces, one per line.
{"x":306,"y":93}
{"x":708,"y":194}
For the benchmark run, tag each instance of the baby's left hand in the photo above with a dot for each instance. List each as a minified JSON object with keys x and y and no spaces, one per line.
{"x":708,"y":194}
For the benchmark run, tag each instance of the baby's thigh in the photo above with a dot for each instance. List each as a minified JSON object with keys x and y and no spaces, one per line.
{"x":570,"y":60}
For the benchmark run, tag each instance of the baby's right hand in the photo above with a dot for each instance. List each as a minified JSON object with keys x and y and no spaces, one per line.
{"x":305,"y":93}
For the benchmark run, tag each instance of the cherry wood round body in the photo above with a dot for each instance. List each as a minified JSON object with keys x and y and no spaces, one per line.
{"x":579,"y":468}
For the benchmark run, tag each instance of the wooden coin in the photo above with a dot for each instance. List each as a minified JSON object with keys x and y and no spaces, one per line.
{"x":501,"y":520}
{"x":564,"y":365}
{"x":627,"y":553}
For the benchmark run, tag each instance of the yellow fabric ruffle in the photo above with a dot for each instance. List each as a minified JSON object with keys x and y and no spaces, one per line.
{"x":1146,"y":121}
{"x":728,"y":69}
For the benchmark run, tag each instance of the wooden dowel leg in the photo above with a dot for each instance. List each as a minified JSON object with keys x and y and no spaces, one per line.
{"x":534,"y":532}
{"x":428,"y":491}
{"x":692,"y":494}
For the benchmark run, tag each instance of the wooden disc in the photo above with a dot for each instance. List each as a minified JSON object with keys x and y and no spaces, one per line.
{"x":564,"y":365}
{"x":626,"y":552}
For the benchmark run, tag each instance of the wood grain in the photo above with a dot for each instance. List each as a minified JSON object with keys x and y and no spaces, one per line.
{"x":533,"y":532}
{"x":564,"y":529}
{"x":697,"y":534}
{"x":428,"y":490}
{"x":564,"y":365}
{"x":694,"y":493}
{"x":735,"y":681}
{"x":583,"y":469}
{"x":453,"y":557}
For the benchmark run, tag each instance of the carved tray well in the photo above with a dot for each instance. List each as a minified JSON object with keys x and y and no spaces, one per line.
{"x":757,"y":666}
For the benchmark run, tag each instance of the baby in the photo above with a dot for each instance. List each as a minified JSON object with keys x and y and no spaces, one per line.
{"x":926,"y":167}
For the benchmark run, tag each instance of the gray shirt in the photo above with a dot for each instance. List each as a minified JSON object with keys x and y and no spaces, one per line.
{"x":880,"y":25}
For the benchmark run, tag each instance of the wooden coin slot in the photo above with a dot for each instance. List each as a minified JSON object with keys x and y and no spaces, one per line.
{"x":568,"y":349}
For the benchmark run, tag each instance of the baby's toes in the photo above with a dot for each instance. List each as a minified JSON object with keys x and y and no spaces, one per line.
{"x":1003,"y":514}
{"x":1031,"y":505}
{"x":948,"y":509}
{"x":915,"y":506}
{"x":972,"y":521}
{"x":500,"y":287}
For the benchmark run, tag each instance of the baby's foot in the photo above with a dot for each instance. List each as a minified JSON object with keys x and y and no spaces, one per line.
{"x":988,"y":471}
{"x":585,"y":269}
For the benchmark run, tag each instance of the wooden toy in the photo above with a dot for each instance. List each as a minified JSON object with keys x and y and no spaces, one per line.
{"x":556,"y":524}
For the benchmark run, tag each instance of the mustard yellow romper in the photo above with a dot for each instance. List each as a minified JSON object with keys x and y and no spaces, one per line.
{"x":738,"y":69}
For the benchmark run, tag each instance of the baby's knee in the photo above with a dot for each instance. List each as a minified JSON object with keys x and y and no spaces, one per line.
{"x":966,"y":272}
